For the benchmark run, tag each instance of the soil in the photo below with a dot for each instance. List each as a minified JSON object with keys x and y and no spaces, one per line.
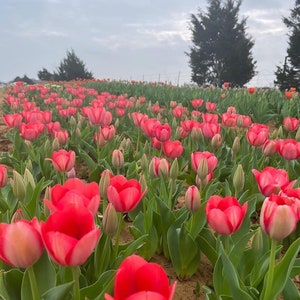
{"x":190,"y":289}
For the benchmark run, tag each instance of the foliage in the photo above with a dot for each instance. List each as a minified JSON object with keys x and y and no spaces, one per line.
{"x":289,"y":74}
{"x":221,"y":49}
{"x":70,"y":68}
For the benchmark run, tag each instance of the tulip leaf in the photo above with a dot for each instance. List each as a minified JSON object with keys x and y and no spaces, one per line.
{"x":283,"y":270}
{"x":237,"y":288}
{"x":104,"y":284}
{"x":59,"y":292}
{"x":207,"y":244}
{"x":290,"y":290}
{"x":184,"y":251}
{"x":10,"y":283}
{"x":45,"y":276}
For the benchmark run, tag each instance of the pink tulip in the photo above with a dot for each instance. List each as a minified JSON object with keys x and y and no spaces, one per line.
{"x":117,"y":159}
{"x":172,"y":149}
{"x":74,"y":191}
{"x":159,"y":166}
{"x":257,"y":134}
{"x":229,"y":119}
{"x":70,"y":235}
{"x":138,"y":279}
{"x":21,"y":244}
{"x":210,"y":106}
{"x":32,"y":130}
{"x":278,"y":216}
{"x":163,"y":132}
{"x":211,"y":159}
{"x":178,"y":111}
{"x":196,"y":103}
{"x":13,"y":120}
{"x":272,"y":181}
{"x":124,"y":194}
{"x":105,"y":134}
{"x":3,"y":175}
{"x":290,"y":124}
{"x":192,"y":198}
{"x":225,"y":215}
{"x":210,"y":118}
{"x":209,"y":130}
{"x":289,"y":149}
{"x":62,"y":160}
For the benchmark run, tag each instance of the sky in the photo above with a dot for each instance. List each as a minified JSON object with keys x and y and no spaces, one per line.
{"x":127,"y":39}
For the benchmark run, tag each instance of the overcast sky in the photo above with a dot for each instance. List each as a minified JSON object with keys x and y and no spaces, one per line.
{"x":126,"y":39}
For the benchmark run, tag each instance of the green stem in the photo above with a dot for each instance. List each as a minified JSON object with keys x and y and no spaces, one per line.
{"x":76,"y":288}
{"x":270,"y":274}
{"x":120,"y":225}
{"x":33,"y":284}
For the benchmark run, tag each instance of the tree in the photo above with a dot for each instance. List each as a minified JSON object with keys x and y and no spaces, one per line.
{"x":289,"y":74}
{"x":221,"y":49}
{"x":70,"y":68}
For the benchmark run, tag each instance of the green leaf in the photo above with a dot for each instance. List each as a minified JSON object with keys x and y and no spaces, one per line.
{"x":283,"y":270}
{"x":59,"y":292}
{"x":207,"y":244}
{"x":10,"y":284}
{"x":237,"y":288}
{"x":104,"y":284}
{"x":290,"y":290}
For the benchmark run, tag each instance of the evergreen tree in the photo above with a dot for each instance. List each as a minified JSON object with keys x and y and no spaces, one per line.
{"x":70,"y":68}
{"x":221,"y":49}
{"x":289,"y":74}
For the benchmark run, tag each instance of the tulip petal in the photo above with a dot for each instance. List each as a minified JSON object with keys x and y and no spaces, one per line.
{"x":129,"y":198}
{"x":83,"y":249}
{"x":218,"y":222}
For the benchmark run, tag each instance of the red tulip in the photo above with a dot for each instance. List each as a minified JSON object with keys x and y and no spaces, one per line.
{"x":62,"y":160}
{"x":172,"y":149}
{"x":211,"y":159}
{"x":278,"y":216}
{"x":13,"y":120}
{"x":192,"y":198}
{"x":251,"y":90}
{"x":178,"y":111}
{"x":209,"y":130}
{"x":74,"y":191}
{"x":272,"y":181}
{"x":244,"y":121}
{"x":124,"y":194}
{"x":163,"y":132}
{"x":148,"y":126}
{"x":138,"y":118}
{"x":257,"y":134}
{"x":138,"y":279}
{"x":105,"y":134}
{"x":269,"y":147}
{"x":21,"y":244}
{"x":117,"y":159}
{"x":229,"y":119}
{"x":70,"y":235}
{"x":225,"y":215}
{"x":3,"y":176}
{"x":196,"y":103}
{"x":290,"y":124}
{"x":159,"y":166}
{"x":32,"y":130}
{"x":61,"y":135}
{"x":289,"y":149}
{"x":210,"y":118}
{"x":156,"y":144}
{"x":210,"y":106}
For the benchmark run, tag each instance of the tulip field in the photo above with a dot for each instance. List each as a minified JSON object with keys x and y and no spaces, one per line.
{"x":132,"y":190}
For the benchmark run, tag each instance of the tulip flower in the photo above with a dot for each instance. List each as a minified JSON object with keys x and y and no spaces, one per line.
{"x":21,"y":244}
{"x":148,"y":126}
{"x":3,"y":175}
{"x":278,"y":216}
{"x":209,"y":130}
{"x":138,"y":118}
{"x":272,"y":181}
{"x":225,"y":215}
{"x":192,"y":198}
{"x":172,"y":149}
{"x":124,"y":194}
{"x":210,"y":118}
{"x":163,"y":132}
{"x":61,"y":135}
{"x":211,"y":159}
{"x":70,"y":235}
{"x":74,"y":191}
{"x":196,"y":103}
{"x":178,"y":111}
{"x":269,"y":147}
{"x":138,"y":279}
{"x":32,"y":130}
{"x":290,"y":124}
{"x":257,"y":134}
{"x":159,"y":166}
{"x":210,"y":106}
{"x":244,"y":121}
{"x":117,"y":159}
{"x":62,"y":160}
{"x":289,"y":149}
{"x":229,"y":119}
{"x":105,"y":134}
{"x":13,"y":120}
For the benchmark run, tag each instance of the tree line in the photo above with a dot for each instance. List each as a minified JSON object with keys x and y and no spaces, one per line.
{"x":221,"y":50}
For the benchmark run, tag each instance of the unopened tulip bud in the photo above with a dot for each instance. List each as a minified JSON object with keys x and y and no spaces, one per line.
{"x":71,"y":173}
{"x":143,"y":183}
{"x":17,"y":216}
{"x":18,"y":186}
{"x":280,"y":132}
{"x":196,"y":134}
{"x":28,"y":179}
{"x":172,"y":186}
{"x":72,"y":122}
{"x":239,"y":178}
{"x":216,"y":141}
{"x":257,"y":242}
{"x":47,"y":146}
{"x":128,"y":144}
{"x":146,"y":147}
{"x":174,"y":169}
{"x":297,"y":136}
{"x":123,"y":144}
{"x":117,"y":123}
{"x":144,"y":162}
{"x":202,"y":170}
{"x":269,"y":148}
{"x":55,"y":145}
{"x":3,"y":175}
{"x":192,"y":198}
{"x":110,"y":220}
{"x":78,"y":132}
{"x":236,"y":146}
{"x":117,"y":159}
{"x":104,"y":183}
{"x":174,"y":123}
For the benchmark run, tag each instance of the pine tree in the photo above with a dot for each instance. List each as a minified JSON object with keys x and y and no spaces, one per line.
{"x":221,"y":49}
{"x":289,"y":74}
{"x":70,"y":68}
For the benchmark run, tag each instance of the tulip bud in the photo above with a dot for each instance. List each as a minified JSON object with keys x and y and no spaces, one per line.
{"x":78,"y":132}
{"x":17,"y":216}
{"x":174,"y":169}
{"x":202,"y":170}
{"x":146,"y":147}
{"x":117,"y":123}
{"x":239,"y":178}
{"x":144,"y":162}
{"x":28,"y":179}
{"x":18,"y":186}
{"x":47,"y":146}
{"x":196,"y":134}
{"x":280,"y":132}
{"x":192,"y":198}
{"x":257,"y":242}
{"x":236,"y":146}
{"x":297,"y":136}
{"x":269,"y":148}
{"x":117,"y":159}
{"x":104,"y":183}
{"x":71,"y":173}
{"x":110,"y":220}
{"x":72,"y":122}
{"x":216,"y":141}
{"x":55,"y":144}
{"x":143,"y":183}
